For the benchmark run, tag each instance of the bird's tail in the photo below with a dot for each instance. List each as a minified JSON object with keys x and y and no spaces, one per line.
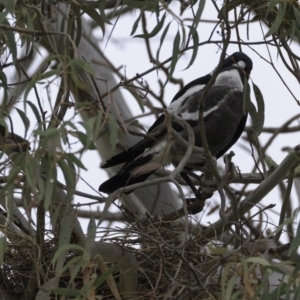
{"x":133,"y":172}
{"x":121,"y":158}
{"x":118,"y":181}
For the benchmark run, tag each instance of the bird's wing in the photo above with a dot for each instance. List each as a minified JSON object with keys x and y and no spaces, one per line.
{"x":224,"y":120}
{"x":186,"y":92}
{"x":135,"y":151}
{"x":238,"y":132}
{"x":220,"y":129}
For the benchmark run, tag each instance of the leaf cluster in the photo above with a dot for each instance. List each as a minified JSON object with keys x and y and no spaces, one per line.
{"x":40,"y":170}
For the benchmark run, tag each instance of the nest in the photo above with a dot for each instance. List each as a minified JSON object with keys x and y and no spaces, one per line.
{"x":20,"y":262}
{"x":171,"y":264}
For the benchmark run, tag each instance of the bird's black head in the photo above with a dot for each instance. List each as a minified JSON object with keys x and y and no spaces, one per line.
{"x":240,"y":60}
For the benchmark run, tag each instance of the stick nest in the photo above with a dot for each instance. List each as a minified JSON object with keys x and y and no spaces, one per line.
{"x":171,"y":263}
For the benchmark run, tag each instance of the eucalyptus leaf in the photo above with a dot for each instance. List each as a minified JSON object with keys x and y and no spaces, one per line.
{"x":11,"y":42}
{"x":258,"y":260}
{"x":136,"y":23}
{"x":199,"y":12}
{"x":101,"y":7}
{"x":25,"y":120}
{"x":292,"y":29}
{"x":71,"y":263}
{"x":195,"y":37}
{"x":3,"y":245}
{"x":29,"y":86}
{"x":95,"y":16}
{"x":272,"y":4}
{"x":278,"y":20}
{"x":35,"y":111}
{"x":142,"y":5}
{"x":3,"y":84}
{"x":77,"y":80}
{"x":175,"y":55}
{"x":113,"y":129}
{"x":3,"y":79}
{"x":80,"y":265}
{"x":17,"y":165}
{"x":69,"y":177}
{"x":155,"y":30}
{"x":91,"y":236}
{"x":3,"y":16}
{"x":257,"y":116}
{"x":36,"y":79}
{"x":297,"y":15}
{"x":31,"y":170}
{"x":230,"y":287}
{"x":74,"y":159}
{"x":260,"y":118}
{"x":83,"y":65}
{"x":51,"y":174}
{"x":228,"y":8}
{"x":295,"y":241}
{"x":88,"y":134}
{"x":105,"y":275}
{"x":162,"y":38}
{"x":97,"y":124}
{"x":136,"y":97}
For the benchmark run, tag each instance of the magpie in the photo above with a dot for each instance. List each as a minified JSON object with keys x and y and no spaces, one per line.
{"x":224,"y":121}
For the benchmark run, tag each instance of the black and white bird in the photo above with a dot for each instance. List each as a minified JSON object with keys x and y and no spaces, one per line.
{"x":224,"y":121}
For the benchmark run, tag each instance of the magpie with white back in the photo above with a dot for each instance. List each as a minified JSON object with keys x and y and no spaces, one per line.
{"x":224,"y":122}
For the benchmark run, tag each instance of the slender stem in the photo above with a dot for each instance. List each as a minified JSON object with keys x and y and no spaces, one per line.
{"x":285,"y":202}
{"x":257,"y":195}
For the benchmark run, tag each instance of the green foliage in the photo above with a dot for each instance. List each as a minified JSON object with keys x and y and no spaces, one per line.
{"x":195,"y":37}
{"x":282,"y":17}
{"x":257,"y":115}
{"x":51,"y":175}
{"x":278,"y":20}
{"x":271,"y":6}
{"x":91,"y":236}
{"x":25,"y":120}
{"x":136,"y":23}
{"x":10,"y":41}
{"x":162,"y":38}
{"x":196,"y":20}
{"x":113,"y":129}
{"x":175,"y":55}
{"x":136,"y":96}
{"x":3,"y":247}
{"x":80,"y":264}
{"x":296,"y":241}
{"x":95,"y":16}
{"x":42,"y":167}
{"x":155,"y":30}
{"x":254,"y":274}
{"x":150,"y":5}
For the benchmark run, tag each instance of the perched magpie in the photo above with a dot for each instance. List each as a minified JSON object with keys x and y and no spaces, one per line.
{"x":224,"y":121}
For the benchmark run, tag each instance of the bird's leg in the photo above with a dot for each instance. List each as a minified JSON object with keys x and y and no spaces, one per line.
{"x":198,"y":178}
{"x":192,"y":174}
{"x":195,"y":205}
{"x":197,"y":192}
{"x":187,"y":179}
{"x":205,"y":180}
